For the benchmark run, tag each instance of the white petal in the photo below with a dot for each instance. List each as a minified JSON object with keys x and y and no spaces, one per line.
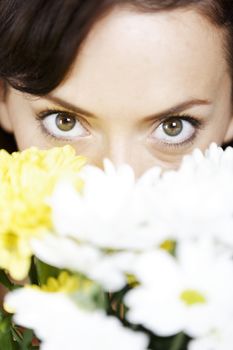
{"x":60,"y":324}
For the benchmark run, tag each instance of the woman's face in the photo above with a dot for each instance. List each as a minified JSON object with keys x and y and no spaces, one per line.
{"x":146,"y":89}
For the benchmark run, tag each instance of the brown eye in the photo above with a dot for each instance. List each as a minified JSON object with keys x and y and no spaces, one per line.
{"x":65,"y":122}
{"x":173,"y":127}
{"x":62,"y":125}
{"x":175,"y":130}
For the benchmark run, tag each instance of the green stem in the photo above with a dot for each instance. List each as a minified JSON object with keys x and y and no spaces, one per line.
{"x":178,"y":342}
{"x":33,"y":272}
{"x":17,"y":336}
{"x":4,"y":280}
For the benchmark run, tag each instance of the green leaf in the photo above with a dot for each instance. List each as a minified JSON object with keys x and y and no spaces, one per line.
{"x":33,"y":272}
{"x":27,"y":340}
{"x":44,"y":271}
{"x":178,"y":342}
{"x":5,"y":323}
{"x":90,"y":299}
{"x":6,"y":342}
{"x":5,"y":281}
{"x":6,"y":339}
{"x":12,"y":337}
{"x":17,"y":336}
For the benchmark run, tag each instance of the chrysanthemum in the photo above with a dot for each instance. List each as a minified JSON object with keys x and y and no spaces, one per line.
{"x":62,"y":323}
{"x":108,"y":269}
{"x":98,"y":230}
{"x":190,"y":294}
{"x":112,"y":210}
{"x":197,"y":199}
{"x":26,"y":180}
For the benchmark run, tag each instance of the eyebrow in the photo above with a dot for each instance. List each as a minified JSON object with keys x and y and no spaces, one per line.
{"x":69,"y":106}
{"x":173,"y":110}
{"x":178,"y":108}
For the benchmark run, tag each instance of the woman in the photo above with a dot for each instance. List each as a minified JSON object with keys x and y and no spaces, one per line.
{"x":142,"y":82}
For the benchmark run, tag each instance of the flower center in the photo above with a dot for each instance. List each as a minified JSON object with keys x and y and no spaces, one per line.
{"x":168,"y":245}
{"x":10,"y":241}
{"x":192,"y":297}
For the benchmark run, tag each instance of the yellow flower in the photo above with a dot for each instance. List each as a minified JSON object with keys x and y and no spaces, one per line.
{"x":27,"y":179}
{"x":65,"y":283}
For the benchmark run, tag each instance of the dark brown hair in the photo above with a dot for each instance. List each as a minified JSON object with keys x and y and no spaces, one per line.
{"x":39,"y":39}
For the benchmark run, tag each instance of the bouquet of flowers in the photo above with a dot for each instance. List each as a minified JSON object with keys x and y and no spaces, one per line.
{"x":96,"y":259}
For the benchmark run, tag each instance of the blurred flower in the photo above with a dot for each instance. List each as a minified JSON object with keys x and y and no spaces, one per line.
{"x":216,"y":340}
{"x":112,"y":210}
{"x":62,"y":324}
{"x":191,"y":293}
{"x":108,"y":269}
{"x":27,"y":179}
{"x":162,"y":244}
{"x":98,"y":230}
{"x":64,"y":283}
{"x":197,"y":199}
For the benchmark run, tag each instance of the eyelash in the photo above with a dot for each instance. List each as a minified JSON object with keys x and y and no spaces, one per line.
{"x":46,"y":113}
{"x":196,"y":123}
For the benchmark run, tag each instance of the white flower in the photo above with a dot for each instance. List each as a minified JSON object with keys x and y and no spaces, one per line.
{"x":113,"y":210}
{"x":106,"y":269}
{"x":97,"y":231}
{"x":192,"y":294}
{"x":221,"y":340}
{"x":197,"y":199}
{"x":60,"y":324}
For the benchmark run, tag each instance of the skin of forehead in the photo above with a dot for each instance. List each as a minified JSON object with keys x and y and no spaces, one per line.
{"x":132,"y":62}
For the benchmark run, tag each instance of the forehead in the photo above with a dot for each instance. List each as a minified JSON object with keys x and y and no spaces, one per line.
{"x":137,"y":59}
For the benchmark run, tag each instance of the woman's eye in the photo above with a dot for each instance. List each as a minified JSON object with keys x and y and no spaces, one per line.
{"x":174,"y":131}
{"x":63,"y":125}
